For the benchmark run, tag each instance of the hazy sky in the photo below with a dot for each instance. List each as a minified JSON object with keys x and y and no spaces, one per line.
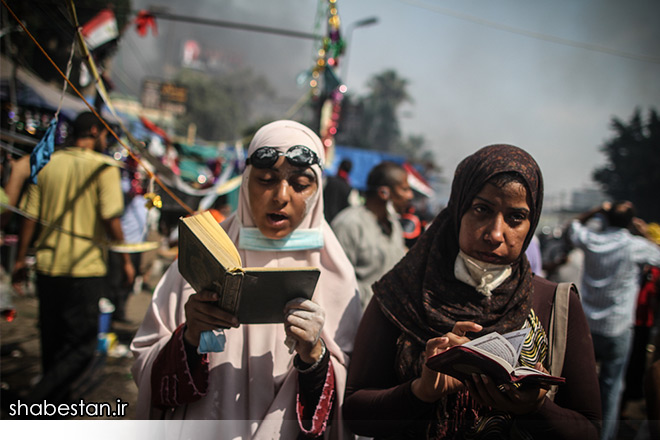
{"x":545,"y":76}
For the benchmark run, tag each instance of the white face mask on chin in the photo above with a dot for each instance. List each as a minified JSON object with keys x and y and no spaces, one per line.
{"x":484,"y":277}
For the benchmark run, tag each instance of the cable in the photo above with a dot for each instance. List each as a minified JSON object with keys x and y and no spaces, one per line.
{"x":535,"y":35}
{"x":150,"y":174}
{"x":123,"y":78}
{"x":93,"y":110}
{"x":137,"y":53}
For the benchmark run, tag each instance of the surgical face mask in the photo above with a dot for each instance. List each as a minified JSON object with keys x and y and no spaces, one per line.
{"x":484,"y":277}
{"x":300,"y":239}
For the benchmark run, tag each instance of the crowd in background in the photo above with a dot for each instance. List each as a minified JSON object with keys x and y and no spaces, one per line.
{"x":611,"y":256}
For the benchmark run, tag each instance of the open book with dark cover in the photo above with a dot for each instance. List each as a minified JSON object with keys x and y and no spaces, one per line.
{"x":208,"y":260}
{"x":494,"y":355}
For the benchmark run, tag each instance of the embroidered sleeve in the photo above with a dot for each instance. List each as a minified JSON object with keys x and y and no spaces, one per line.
{"x":178,"y":375}
{"x":315,"y":398}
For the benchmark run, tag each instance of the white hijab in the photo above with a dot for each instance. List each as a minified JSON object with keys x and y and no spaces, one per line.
{"x":253,"y":384}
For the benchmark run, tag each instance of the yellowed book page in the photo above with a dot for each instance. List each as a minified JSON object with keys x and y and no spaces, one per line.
{"x":205,"y":233}
{"x":222,"y":238}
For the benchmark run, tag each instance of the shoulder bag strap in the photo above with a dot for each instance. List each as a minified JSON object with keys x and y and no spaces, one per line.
{"x":557,"y":332}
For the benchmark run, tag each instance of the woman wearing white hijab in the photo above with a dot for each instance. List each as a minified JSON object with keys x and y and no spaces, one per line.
{"x":256,"y":388}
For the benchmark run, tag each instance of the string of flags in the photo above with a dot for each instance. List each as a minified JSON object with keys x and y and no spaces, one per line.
{"x":324,"y":83}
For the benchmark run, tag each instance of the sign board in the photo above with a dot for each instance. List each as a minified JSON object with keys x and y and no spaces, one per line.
{"x":163,"y":95}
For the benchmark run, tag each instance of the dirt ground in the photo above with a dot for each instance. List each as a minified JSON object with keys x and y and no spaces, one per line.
{"x":112,"y":380}
{"x":20,"y":362}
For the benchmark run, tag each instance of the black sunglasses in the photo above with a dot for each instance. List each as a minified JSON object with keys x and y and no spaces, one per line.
{"x":298,"y":155}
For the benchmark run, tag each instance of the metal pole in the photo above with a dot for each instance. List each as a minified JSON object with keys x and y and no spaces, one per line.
{"x":242,"y":26}
{"x":349,"y":33}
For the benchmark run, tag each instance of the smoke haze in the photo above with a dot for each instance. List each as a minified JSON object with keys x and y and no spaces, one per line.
{"x":546,"y":76}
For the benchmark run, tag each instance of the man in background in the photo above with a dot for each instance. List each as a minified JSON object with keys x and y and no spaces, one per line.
{"x":613,"y":258}
{"x":371,"y":234}
{"x":134,"y":228}
{"x":337,"y":191}
{"x":75,"y":206}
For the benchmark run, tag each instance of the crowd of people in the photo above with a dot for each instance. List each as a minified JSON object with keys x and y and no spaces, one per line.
{"x":350,"y":361}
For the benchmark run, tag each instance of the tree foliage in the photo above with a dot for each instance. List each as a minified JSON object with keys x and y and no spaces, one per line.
{"x":374,"y":124}
{"x":414,"y":147}
{"x":632,"y":171}
{"x":219,"y":105}
{"x":371,"y":122}
{"x":381,"y":125}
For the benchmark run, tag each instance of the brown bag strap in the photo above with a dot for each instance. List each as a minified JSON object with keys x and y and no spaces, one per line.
{"x":557,"y":332}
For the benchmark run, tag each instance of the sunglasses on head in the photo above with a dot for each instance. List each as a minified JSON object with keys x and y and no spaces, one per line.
{"x":298,"y":155}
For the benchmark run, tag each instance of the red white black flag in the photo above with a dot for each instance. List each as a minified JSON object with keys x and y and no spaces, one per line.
{"x":100,"y":29}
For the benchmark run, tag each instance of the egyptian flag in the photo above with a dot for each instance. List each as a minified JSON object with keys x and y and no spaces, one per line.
{"x":101,"y":29}
{"x":417,"y":182}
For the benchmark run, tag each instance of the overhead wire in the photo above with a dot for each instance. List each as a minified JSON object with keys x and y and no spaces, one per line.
{"x":57,"y":21}
{"x":150,"y":174}
{"x":532,"y":34}
{"x":292,"y":111}
{"x":120,"y":73}
{"x":123,"y":78}
{"x":137,"y":53}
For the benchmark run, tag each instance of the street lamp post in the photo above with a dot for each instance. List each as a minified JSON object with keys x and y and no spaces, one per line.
{"x":349,"y":32}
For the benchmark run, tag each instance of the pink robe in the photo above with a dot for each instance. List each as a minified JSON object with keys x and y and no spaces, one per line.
{"x":252,"y":385}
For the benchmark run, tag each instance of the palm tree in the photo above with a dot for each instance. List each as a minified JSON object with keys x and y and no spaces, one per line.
{"x":371,"y":121}
{"x":380,"y":123}
{"x":632,"y":163}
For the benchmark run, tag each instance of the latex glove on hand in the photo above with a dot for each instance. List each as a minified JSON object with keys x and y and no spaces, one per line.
{"x":303,"y":322}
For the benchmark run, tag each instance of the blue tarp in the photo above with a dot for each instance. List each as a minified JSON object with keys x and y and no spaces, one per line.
{"x":363,"y":162}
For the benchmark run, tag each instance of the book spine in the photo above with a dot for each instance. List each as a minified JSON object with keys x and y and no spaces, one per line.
{"x":231,"y":292}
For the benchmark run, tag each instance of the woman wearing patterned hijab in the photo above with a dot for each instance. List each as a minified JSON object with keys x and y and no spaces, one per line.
{"x":468,"y":276}
{"x":272,"y":380}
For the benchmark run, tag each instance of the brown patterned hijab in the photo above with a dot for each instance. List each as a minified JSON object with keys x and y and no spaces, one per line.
{"x":421,"y":294}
